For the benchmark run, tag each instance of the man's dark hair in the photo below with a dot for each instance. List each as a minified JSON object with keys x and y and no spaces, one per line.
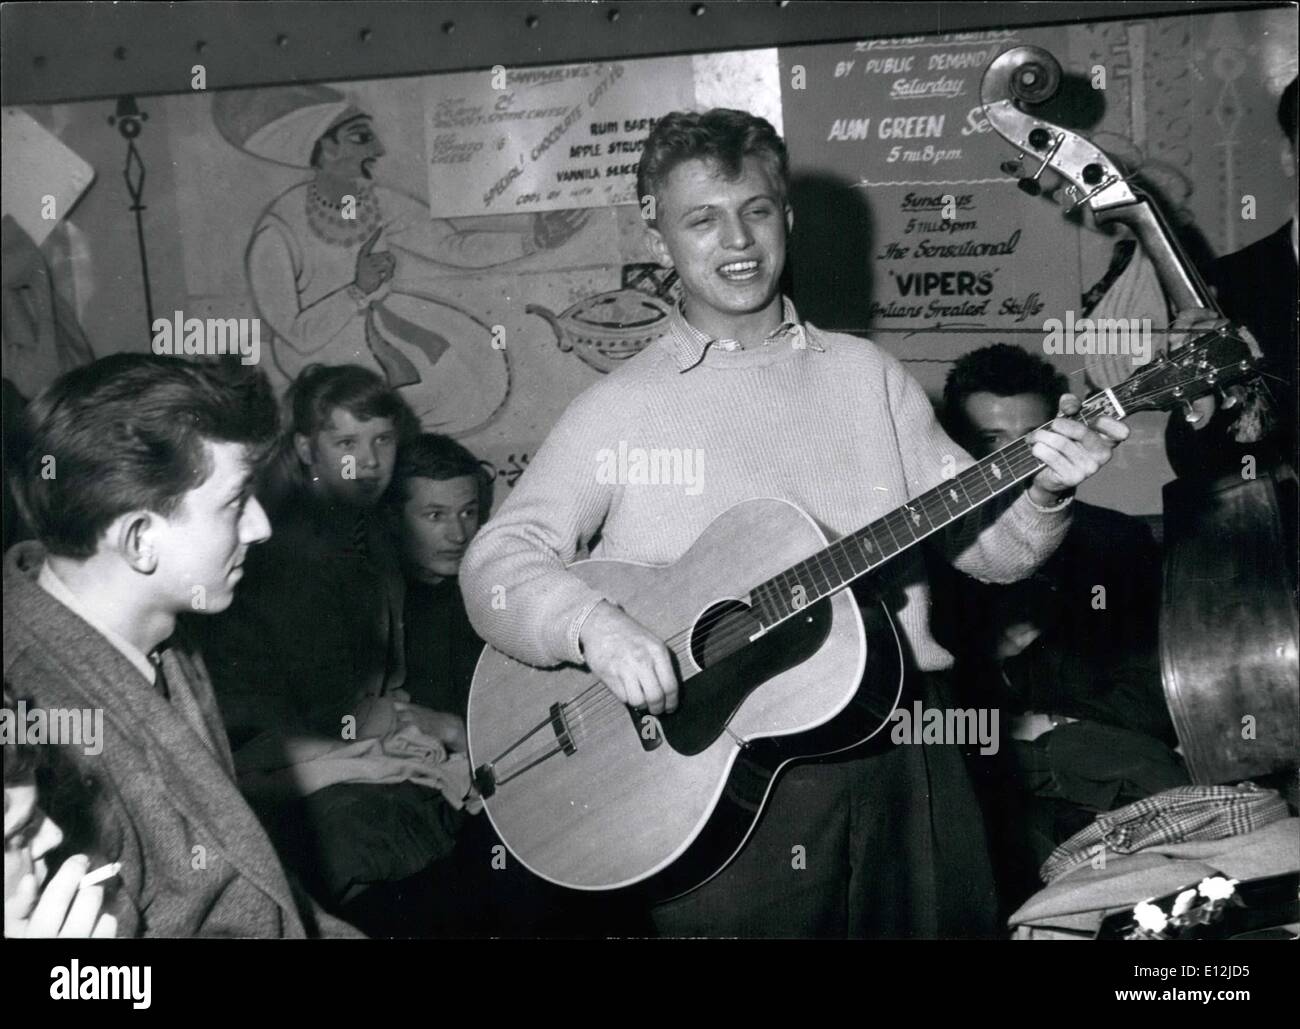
{"x":129,"y":432}
{"x":1003,"y":370}
{"x":320,"y":389}
{"x":722,"y":135}
{"x":437,"y":457}
{"x":1286,"y":112}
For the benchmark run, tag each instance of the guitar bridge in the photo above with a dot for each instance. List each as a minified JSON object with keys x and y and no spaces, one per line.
{"x":561,"y":728}
{"x":485,"y":780}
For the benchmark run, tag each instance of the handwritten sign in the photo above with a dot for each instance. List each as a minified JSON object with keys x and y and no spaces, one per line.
{"x":955,"y":251}
{"x":544,"y":139}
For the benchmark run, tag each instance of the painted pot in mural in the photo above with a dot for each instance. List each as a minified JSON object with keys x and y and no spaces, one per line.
{"x":608,"y":328}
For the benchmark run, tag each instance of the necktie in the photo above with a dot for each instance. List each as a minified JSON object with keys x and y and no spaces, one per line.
{"x":361,"y":536}
{"x":160,"y":680}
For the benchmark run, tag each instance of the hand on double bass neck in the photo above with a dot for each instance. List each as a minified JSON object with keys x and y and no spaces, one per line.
{"x":1071,"y":451}
{"x":629,"y":659}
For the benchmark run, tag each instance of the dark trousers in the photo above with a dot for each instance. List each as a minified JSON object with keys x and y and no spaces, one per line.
{"x":886,"y":842}
{"x":346,"y":837}
{"x":481,"y":890}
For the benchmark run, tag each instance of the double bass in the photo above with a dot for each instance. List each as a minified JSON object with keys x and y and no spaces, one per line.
{"x":1228,"y":620}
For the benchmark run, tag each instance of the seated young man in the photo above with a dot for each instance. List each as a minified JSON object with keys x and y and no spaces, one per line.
{"x":308,"y":662}
{"x":439,"y":496}
{"x":137,"y":480}
{"x":1069,"y":654}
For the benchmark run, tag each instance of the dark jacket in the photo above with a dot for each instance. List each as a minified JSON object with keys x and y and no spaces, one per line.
{"x":1255,"y":286}
{"x":314,"y":628}
{"x":1089,"y":661}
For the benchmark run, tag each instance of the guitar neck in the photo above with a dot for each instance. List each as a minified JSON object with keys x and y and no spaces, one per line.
{"x":853,"y":556}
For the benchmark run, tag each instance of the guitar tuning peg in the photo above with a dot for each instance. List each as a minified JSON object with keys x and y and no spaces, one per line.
{"x":1230,"y":397}
{"x":1030,"y":186}
{"x":1189,"y":412}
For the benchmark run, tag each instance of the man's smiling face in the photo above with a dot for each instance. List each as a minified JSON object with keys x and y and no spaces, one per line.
{"x":726,"y":240}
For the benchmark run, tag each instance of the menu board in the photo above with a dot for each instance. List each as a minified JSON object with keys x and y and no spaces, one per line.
{"x":889,"y":143}
{"x":506,"y":141}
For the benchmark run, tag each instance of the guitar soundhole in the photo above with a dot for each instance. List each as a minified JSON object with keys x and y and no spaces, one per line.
{"x":722,"y":630}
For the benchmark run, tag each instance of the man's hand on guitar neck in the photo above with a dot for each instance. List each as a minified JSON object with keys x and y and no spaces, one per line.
{"x":1071,"y":451}
{"x":629,"y":659}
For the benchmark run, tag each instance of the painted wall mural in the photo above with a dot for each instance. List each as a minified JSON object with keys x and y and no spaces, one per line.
{"x":338,"y":265}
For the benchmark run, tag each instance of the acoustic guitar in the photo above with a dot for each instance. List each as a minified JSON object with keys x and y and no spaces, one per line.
{"x":777,"y":663}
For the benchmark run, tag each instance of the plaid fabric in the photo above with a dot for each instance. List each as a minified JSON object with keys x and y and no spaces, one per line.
{"x":1174,"y":816}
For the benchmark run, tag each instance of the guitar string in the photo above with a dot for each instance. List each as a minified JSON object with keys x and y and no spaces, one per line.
{"x":589,"y":712}
{"x":606,"y":708}
{"x":592,"y":713}
{"x":825,"y":562}
{"x":595,"y":712}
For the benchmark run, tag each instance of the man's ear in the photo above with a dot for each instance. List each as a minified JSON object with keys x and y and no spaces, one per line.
{"x":134,"y":536}
{"x":654,"y":241}
{"x":303,"y":448}
{"x":789,"y":218}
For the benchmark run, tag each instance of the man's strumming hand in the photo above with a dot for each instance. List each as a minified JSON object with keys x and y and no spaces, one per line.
{"x":629,"y":659}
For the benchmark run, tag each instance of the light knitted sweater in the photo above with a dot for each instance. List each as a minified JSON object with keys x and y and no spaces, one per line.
{"x":827,"y":421}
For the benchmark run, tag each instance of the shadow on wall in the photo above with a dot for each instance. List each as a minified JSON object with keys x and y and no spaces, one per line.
{"x":829,"y":259}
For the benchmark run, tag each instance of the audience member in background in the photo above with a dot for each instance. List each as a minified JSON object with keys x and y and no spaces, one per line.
{"x":353,"y":781}
{"x":34,"y":907}
{"x":440,"y":495}
{"x":315,"y":628}
{"x":1068,"y":655}
{"x":138,"y":482}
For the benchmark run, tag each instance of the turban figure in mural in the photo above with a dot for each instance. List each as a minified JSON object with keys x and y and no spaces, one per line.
{"x":339,"y":266}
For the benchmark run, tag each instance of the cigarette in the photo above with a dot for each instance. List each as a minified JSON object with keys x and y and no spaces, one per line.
{"x":99,"y":875}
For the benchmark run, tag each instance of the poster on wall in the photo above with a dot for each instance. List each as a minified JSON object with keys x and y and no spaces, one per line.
{"x":936,"y":246}
{"x":505,"y":141}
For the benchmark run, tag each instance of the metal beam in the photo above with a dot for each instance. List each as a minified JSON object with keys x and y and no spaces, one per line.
{"x":61,"y":51}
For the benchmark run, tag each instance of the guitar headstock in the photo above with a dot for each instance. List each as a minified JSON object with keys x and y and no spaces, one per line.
{"x":1214,"y":360}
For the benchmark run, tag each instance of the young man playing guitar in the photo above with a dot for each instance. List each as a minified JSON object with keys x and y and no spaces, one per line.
{"x":887,"y":840}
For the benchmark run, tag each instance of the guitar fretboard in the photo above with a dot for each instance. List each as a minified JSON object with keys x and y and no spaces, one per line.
{"x":860,"y":552}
